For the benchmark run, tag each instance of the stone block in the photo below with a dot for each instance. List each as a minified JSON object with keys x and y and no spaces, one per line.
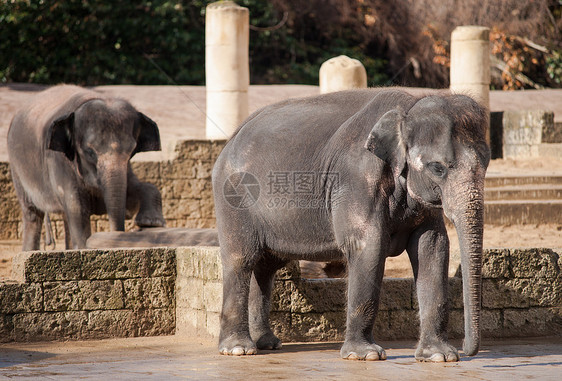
{"x":381,"y":328}
{"x":190,"y":322}
{"x":532,"y":322}
{"x":212,"y":296}
{"x":146,"y":170}
{"x":178,"y":170}
{"x":396,"y":293}
{"x":101,"y":294}
{"x":194,"y":150}
{"x":455,"y":293}
{"x":216,"y":148}
{"x":404,"y":324}
{"x":116,"y":264}
{"x":114,"y":323}
{"x":163,"y":262}
{"x":36,"y":266}
{"x":524,"y":131}
{"x":128,"y":263}
{"x":155,"y":321}
{"x":281,"y":295}
{"x":149,"y":293}
{"x":39,"y":326}
{"x":291,"y":270}
{"x":328,"y":326}
{"x":83,"y":295}
{"x":189,"y":293}
{"x":534,"y":263}
{"x":319,"y":295}
{"x":182,"y":209}
{"x":9,"y":230}
{"x":499,"y":294}
{"x":62,"y":296}
{"x":20,"y":297}
{"x":495,"y":264}
{"x":455,"y":325}
{"x":281,"y":325}
{"x":213,"y":324}
{"x":6,"y":328}
{"x":200,"y":262}
{"x":491,"y":323}
{"x":539,"y":291}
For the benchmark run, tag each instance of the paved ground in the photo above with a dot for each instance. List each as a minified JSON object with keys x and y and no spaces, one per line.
{"x":173,"y":358}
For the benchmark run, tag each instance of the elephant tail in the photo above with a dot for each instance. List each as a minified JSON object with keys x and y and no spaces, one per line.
{"x":49,"y":242}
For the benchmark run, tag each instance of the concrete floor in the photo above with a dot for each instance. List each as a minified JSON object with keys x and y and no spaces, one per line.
{"x":176,"y":358}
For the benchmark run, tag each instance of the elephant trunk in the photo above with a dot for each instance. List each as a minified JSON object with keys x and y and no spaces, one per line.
{"x":114,"y":189}
{"x":468,"y":217}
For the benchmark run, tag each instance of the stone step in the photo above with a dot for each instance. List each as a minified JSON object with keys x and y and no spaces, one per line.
{"x":514,"y":212}
{"x":494,"y":181}
{"x":524,"y":192}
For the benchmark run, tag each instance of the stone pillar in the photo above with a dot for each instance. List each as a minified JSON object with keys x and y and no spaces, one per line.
{"x":470,"y":62}
{"x":227,"y":71}
{"x":342,"y":73}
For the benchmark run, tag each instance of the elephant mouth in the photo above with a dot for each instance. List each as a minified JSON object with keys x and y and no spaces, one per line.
{"x":432,"y":204}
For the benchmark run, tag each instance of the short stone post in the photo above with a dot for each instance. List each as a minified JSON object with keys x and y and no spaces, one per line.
{"x":470,"y":62}
{"x":227,"y":71}
{"x":342,"y":73}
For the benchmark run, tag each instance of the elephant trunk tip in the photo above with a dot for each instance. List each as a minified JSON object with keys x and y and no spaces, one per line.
{"x":470,"y":347}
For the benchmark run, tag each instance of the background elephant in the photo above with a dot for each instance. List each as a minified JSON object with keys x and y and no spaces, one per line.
{"x":358,"y":176}
{"x":69,"y":152}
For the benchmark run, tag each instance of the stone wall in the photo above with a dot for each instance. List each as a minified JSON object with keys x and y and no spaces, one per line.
{"x":89,"y":294}
{"x":185,"y":184}
{"x":92,"y":294}
{"x":522,"y":296}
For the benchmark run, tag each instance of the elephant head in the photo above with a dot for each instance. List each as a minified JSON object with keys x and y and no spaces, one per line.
{"x":99,"y":138}
{"x":439,"y":146}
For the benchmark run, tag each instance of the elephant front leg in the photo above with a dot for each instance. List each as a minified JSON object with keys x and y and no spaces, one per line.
{"x":77,"y":222}
{"x":365,"y":273}
{"x":429,"y":253}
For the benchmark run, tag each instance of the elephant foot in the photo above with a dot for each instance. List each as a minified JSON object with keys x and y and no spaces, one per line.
{"x":146,"y":221}
{"x":362,"y":351}
{"x":268,"y":341}
{"x":237,"y":346}
{"x":437,"y":351}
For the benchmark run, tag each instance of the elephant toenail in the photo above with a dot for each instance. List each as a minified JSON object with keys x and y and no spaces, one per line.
{"x":437,"y":357}
{"x":372,"y":356}
{"x":352,"y":356}
{"x":238,"y":351}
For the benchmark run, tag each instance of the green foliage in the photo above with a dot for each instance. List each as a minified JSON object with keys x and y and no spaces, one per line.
{"x":94,"y":42}
{"x":554,"y":67}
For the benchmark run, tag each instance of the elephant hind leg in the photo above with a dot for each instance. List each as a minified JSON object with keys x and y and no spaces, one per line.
{"x":32,"y":218}
{"x":260,"y":302}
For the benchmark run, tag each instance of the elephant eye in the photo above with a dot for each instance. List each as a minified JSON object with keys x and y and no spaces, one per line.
{"x":437,"y":169}
{"x":90,"y":154}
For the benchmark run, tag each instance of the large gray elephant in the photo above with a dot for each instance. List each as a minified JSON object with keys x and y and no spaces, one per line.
{"x":69,"y":152}
{"x":359,"y":176}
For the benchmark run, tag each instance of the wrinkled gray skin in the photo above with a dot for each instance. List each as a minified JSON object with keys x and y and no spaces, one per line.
{"x":69,"y":153}
{"x":402,"y":162}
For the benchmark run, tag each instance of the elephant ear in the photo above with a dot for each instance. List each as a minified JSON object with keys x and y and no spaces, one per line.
{"x":149,"y":136}
{"x":385,"y":139}
{"x":60,"y":136}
